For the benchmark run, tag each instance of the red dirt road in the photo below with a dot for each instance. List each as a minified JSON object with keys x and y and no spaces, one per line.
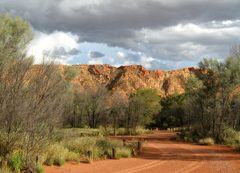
{"x":161,"y":155}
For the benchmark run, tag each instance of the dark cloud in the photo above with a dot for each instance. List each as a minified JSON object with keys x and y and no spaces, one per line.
{"x":95,"y":54}
{"x":122,"y":23}
{"x":156,"y":64}
{"x":73,"y":52}
{"x":62,"y":52}
{"x":148,"y":62}
{"x":134,"y":57}
{"x":59,"y":52}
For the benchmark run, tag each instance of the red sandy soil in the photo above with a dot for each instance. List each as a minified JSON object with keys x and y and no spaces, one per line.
{"x":161,"y":155}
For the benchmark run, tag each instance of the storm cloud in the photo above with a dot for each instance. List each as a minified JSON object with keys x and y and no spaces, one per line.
{"x":163,"y":30}
{"x":95,"y":54}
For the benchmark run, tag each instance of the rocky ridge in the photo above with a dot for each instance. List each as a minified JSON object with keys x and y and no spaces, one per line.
{"x":131,"y":78}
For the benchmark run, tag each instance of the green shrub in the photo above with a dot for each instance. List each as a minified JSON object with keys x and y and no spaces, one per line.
{"x":89,"y":160}
{"x":106,"y":144}
{"x":80,"y":145}
{"x":107,"y":131}
{"x":206,"y":141}
{"x":104,"y":157}
{"x":175,"y":137}
{"x":61,"y":161}
{"x":3,"y":171}
{"x":235,"y":146}
{"x":140,"y":130}
{"x":72,"y":156}
{"x":121,"y":131}
{"x":109,"y":151}
{"x":76,"y":132}
{"x":50,"y":162}
{"x":17,"y":162}
{"x":67,"y":150}
{"x":175,"y":129}
{"x":40,"y":169}
{"x":96,"y":153}
{"x":119,"y":157}
{"x":124,"y":152}
{"x":55,"y":152}
{"x":230,"y":136}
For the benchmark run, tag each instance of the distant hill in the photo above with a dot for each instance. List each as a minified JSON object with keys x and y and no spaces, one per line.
{"x":131,"y":78}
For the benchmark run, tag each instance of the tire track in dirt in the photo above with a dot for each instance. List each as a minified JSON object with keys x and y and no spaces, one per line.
{"x":145,"y":166}
{"x":196,"y":164}
{"x":218,"y":162}
{"x":163,"y":154}
{"x":187,"y":153}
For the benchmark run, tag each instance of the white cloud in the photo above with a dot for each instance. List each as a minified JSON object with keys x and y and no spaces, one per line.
{"x":141,"y":59}
{"x":120,"y":55}
{"x":96,"y":61}
{"x":51,"y":43}
{"x":190,"y":41}
{"x":111,"y":59}
{"x":228,"y":22}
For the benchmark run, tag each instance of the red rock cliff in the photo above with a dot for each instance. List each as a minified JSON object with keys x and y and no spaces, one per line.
{"x":131,"y":78}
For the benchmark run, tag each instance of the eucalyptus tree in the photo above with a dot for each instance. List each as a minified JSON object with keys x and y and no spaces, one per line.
{"x":32,"y":98}
{"x":142,"y":106}
{"x":217,"y":91}
{"x":94,"y":102}
{"x":119,"y":103}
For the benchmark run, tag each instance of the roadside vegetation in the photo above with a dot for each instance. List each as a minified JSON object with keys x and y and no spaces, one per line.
{"x":44,"y":113}
{"x":41,"y":107}
{"x":209,"y":111}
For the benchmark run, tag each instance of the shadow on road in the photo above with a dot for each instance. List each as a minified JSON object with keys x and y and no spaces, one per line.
{"x":160,"y":147}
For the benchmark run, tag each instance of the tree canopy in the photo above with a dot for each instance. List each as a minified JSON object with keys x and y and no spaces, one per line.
{"x":216,"y":93}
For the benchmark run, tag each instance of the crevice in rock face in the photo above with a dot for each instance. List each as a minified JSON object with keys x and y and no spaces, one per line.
{"x":130,"y":78}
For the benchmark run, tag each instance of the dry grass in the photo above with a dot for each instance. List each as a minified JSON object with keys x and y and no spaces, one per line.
{"x":75,"y":148}
{"x":206,"y":141}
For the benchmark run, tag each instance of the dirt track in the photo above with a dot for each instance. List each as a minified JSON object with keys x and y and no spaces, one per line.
{"x":161,"y":155}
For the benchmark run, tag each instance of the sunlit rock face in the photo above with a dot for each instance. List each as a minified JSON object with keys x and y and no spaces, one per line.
{"x":131,"y":78}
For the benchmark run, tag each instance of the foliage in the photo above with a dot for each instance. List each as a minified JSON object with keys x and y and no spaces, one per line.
{"x":89,"y":160}
{"x":230,"y":136}
{"x":118,"y":108}
{"x":142,"y":106}
{"x":206,"y":141}
{"x":70,"y":72}
{"x":5,"y":171}
{"x":93,"y":104}
{"x":15,"y":34}
{"x":108,"y":131}
{"x":40,"y":169}
{"x":124,"y":153}
{"x":61,"y":161}
{"x":214,"y":105}
{"x":72,"y":149}
{"x":72,"y":116}
{"x":17,"y":161}
{"x":33,"y":100}
{"x":30,"y":96}
{"x":172,"y":112}
{"x":70,"y":133}
{"x":50,"y":162}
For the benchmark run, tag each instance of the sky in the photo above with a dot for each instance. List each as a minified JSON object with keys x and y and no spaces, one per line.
{"x":158,"y":34}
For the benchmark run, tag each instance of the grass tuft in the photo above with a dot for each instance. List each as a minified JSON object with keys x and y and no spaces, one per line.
{"x":89,"y":160}
{"x":50,"y":162}
{"x":206,"y":141}
{"x":40,"y":169}
{"x":61,"y":161}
